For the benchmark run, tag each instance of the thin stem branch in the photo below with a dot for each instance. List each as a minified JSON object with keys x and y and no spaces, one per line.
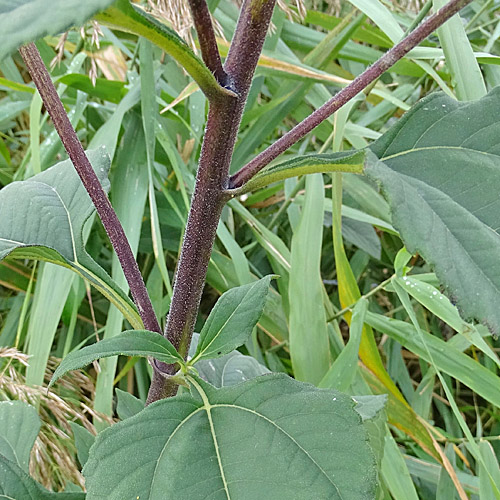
{"x":206,"y":36}
{"x":347,"y":93}
{"x":74,"y":148}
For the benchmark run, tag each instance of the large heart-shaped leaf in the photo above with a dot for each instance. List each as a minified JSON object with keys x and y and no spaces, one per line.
{"x":439,"y":168}
{"x":16,"y":484}
{"x":43,"y":218}
{"x":23,"y":21}
{"x":232,"y":319}
{"x":271,"y":437}
{"x":19,"y":426}
{"x":130,"y":343}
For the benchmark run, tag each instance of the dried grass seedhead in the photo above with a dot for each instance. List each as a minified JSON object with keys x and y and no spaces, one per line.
{"x":53,"y":458}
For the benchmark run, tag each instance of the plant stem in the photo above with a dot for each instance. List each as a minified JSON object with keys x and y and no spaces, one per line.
{"x":212,"y":181}
{"x":74,"y":148}
{"x":206,"y":36}
{"x":347,"y":93}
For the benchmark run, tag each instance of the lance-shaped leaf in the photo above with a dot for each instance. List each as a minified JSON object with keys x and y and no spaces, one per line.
{"x":16,"y":484}
{"x":130,"y":343}
{"x":232,"y":319}
{"x":132,"y":18}
{"x":24,"y":21}
{"x":19,"y":426}
{"x":349,"y":161}
{"x":439,"y":168}
{"x":43,"y":218}
{"x":310,"y":441}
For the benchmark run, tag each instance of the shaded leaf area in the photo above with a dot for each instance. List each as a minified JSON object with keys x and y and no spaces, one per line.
{"x":272,"y":423}
{"x":16,"y":484}
{"x":232,"y":319}
{"x":25,"y":21}
{"x":43,"y":218}
{"x":130,"y":343}
{"x":440,"y":170}
{"x":19,"y":427}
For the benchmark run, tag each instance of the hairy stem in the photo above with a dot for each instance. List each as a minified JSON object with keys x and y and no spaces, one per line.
{"x":206,"y":37}
{"x":74,"y":148}
{"x":212,"y":181}
{"x":347,"y":93}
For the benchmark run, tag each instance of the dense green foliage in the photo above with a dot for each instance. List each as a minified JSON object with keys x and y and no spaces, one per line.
{"x":431,"y":183}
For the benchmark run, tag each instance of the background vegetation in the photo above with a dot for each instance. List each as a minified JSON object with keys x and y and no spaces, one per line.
{"x":313,"y":49}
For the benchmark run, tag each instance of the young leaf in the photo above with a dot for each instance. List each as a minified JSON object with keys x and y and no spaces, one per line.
{"x":271,"y":423}
{"x":232,"y":319}
{"x":25,"y":21}
{"x":19,"y":426}
{"x":16,"y":484}
{"x":439,"y":170}
{"x":349,"y":161}
{"x":43,"y":218}
{"x":129,"y":343}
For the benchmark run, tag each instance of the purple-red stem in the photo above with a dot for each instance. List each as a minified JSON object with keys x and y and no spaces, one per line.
{"x":346,"y":94}
{"x":74,"y":148}
{"x":206,"y":37}
{"x":212,"y":180}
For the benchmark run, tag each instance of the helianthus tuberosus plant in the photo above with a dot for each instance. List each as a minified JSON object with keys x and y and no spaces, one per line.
{"x":269,"y":435}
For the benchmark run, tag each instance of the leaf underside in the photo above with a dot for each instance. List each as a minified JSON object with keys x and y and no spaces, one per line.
{"x":43,"y":218}
{"x":439,"y":168}
{"x":24,"y":21}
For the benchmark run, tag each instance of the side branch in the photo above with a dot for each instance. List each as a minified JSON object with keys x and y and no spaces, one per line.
{"x":206,"y":36}
{"x":347,"y":93}
{"x":74,"y":148}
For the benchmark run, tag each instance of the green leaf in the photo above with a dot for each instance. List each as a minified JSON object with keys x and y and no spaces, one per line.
{"x":349,"y":161}
{"x":131,"y":18}
{"x":232,"y":319}
{"x":272,"y":424}
{"x":127,"y":405}
{"x":43,"y":218}
{"x":84,"y":439}
{"x":440,"y":170}
{"x":23,"y":21}
{"x":19,"y":426}
{"x":130,"y":343}
{"x":16,"y":484}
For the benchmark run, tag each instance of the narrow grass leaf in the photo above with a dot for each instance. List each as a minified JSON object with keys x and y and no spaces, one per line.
{"x":343,"y":370}
{"x":308,"y":335}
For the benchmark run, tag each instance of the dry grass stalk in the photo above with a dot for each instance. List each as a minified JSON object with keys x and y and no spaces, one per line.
{"x":53,"y":458}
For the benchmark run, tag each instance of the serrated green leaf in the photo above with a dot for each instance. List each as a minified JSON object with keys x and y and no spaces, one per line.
{"x":439,"y":169}
{"x":16,"y":484}
{"x":349,"y":161}
{"x":23,"y":21}
{"x":129,"y":343}
{"x":43,"y":218}
{"x":272,"y":423}
{"x":84,"y":439}
{"x":232,"y":319}
{"x":19,"y":426}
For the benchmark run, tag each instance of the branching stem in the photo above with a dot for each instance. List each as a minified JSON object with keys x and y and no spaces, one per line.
{"x":206,"y":37}
{"x":346,"y":94}
{"x":74,"y":148}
